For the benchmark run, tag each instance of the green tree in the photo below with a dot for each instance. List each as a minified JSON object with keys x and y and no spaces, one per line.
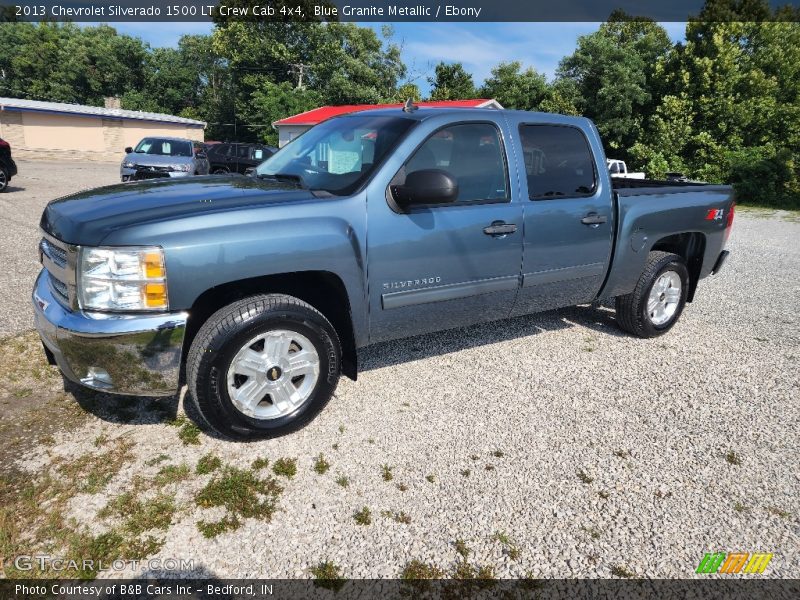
{"x":563,"y":97}
{"x":191,"y":81}
{"x":732,"y":109}
{"x":65,"y":63}
{"x":272,"y":101}
{"x":614,"y":71}
{"x":352,"y":65}
{"x":406,"y":91}
{"x":333,"y":63}
{"x":514,"y":88}
{"x":451,"y":82}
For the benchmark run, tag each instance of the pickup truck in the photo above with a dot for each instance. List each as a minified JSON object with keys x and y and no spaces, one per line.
{"x":257,"y":292}
{"x":618,"y":168}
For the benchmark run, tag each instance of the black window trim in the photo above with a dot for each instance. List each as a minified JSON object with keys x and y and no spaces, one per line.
{"x":396,"y":207}
{"x":595,"y":177}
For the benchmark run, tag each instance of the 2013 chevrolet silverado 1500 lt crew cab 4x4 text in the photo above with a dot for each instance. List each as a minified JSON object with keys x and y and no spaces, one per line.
{"x":257,"y":291}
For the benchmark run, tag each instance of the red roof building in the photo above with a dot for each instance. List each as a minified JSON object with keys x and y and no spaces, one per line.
{"x":290,"y":127}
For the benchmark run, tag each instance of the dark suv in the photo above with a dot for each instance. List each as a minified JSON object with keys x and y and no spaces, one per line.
{"x":8,"y":168}
{"x":230,"y":157}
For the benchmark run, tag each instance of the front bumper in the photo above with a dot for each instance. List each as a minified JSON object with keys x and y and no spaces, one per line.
{"x":126,"y":174}
{"x":121,"y":354}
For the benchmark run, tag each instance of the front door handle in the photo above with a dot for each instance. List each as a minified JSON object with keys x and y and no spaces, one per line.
{"x":594,"y":219}
{"x":499,"y":229}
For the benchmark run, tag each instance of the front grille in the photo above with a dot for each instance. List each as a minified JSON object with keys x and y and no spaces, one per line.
{"x":59,"y":288}
{"x":54,"y":253}
{"x":59,"y":260}
{"x":155,"y":172}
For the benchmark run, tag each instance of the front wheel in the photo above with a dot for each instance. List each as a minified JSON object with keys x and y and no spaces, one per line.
{"x":263,"y":366}
{"x":657,"y":302}
{"x":4,"y":179}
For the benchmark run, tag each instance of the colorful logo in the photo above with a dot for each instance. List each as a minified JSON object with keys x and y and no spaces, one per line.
{"x":734,"y":562}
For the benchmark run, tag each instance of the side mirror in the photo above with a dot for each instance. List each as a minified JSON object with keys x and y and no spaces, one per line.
{"x":428,"y":186}
{"x":128,"y":150}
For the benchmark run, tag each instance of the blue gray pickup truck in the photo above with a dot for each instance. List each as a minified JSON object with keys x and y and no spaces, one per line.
{"x":256,"y":292}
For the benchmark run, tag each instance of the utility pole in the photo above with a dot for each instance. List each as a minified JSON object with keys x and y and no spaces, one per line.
{"x":299,"y":69}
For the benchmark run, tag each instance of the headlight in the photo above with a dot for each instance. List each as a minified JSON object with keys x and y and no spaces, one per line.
{"x":128,"y":164}
{"x":185,"y":168}
{"x":131,"y":278}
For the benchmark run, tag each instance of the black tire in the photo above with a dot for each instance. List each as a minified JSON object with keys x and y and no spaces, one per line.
{"x":226,"y":332}
{"x":220,"y":171}
{"x":5,"y":179}
{"x":632,"y":314}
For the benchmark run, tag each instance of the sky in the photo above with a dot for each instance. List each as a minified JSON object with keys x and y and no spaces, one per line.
{"x":479,"y":46}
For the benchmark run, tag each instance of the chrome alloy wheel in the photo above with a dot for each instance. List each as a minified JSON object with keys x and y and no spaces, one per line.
{"x":665,"y":296}
{"x":273,"y":374}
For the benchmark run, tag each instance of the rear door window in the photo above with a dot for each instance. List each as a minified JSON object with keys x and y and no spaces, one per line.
{"x":558,"y":162}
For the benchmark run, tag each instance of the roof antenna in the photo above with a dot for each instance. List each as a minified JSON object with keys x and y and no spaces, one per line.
{"x":409,"y":106}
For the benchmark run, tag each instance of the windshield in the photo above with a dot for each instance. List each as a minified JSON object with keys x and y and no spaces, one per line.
{"x":164,"y":147}
{"x":337,"y":156}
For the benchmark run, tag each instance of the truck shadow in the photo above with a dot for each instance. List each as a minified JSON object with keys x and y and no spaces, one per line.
{"x":135,"y":410}
{"x":130,"y":410}
{"x":386,"y":354}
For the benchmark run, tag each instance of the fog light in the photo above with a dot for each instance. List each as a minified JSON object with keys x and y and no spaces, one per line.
{"x":97,"y":378}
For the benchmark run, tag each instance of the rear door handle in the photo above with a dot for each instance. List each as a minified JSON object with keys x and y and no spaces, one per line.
{"x":594,"y":219}
{"x":499,"y":229}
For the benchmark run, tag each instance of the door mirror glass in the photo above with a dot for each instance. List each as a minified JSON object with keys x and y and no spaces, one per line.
{"x":427,"y":186}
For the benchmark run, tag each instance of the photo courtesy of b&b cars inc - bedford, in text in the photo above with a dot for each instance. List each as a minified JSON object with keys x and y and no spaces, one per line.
{"x":354,"y":299}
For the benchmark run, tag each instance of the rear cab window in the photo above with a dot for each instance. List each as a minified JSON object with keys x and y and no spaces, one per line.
{"x":558,"y":162}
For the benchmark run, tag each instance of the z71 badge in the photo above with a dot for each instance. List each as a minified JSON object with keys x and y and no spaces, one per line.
{"x":715,"y":214}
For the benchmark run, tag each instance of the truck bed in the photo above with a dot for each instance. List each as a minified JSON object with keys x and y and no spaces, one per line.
{"x":670,"y":212}
{"x":619,"y":183}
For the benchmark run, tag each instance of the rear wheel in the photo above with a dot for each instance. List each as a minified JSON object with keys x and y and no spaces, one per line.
{"x":220,"y":171}
{"x":4,"y":179}
{"x":658,"y":300}
{"x":263,"y":367}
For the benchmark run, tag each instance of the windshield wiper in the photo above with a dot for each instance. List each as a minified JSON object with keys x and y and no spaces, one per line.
{"x":286,"y":177}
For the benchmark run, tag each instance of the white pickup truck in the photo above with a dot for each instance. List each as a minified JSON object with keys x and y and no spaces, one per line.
{"x":618,"y":168}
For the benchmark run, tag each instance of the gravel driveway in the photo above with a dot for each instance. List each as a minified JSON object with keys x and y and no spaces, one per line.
{"x":585,"y":451}
{"x":21,"y":207}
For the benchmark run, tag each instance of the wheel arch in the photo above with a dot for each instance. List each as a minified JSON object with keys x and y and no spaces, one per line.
{"x":691,"y":247}
{"x":323,"y":290}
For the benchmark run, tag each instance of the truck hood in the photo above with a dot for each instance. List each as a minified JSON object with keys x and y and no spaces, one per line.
{"x":87,"y":217}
